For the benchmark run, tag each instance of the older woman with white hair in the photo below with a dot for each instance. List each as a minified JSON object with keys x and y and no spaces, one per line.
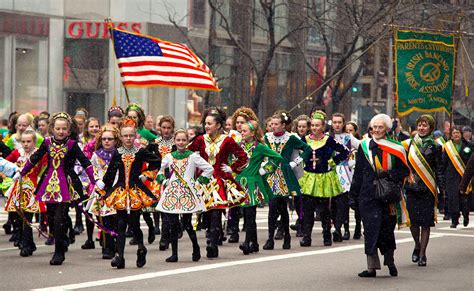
{"x":378,"y":159}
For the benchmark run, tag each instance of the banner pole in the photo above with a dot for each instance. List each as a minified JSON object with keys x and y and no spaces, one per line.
{"x":451,"y":115}
{"x":110,"y":26}
{"x":390,"y":92}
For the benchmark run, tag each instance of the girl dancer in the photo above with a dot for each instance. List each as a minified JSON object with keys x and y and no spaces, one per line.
{"x":253,"y":179}
{"x":21,"y":195}
{"x":129,"y":195}
{"x":180,"y":195}
{"x":241,"y":116}
{"x":54,"y":187}
{"x":320,"y":182}
{"x":107,"y":141}
{"x":222,"y":192}
{"x":283,"y":181}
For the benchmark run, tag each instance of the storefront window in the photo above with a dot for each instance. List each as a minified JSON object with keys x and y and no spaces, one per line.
{"x":31,"y":74}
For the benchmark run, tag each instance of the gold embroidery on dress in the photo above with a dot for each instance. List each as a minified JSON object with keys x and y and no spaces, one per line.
{"x":57,"y":152}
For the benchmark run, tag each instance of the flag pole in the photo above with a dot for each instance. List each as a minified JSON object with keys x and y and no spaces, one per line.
{"x":451,"y":115}
{"x":110,"y":27}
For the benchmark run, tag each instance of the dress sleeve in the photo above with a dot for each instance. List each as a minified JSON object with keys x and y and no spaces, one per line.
{"x":84,"y":161}
{"x":303,"y":147}
{"x":207,"y":169}
{"x":34,"y":159}
{"x":273,"y":159}
{"x":13,"y":156}
{"x":242,"y":159}
{"x":196,"y":145}
{"x":154,"y":161}
{"x":341,"y":152}
{"x":109,"y":176}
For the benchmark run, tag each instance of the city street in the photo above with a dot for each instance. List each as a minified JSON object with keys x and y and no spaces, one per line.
{"x":450,"y":265}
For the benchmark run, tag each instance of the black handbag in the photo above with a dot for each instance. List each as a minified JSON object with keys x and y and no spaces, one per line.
{"x":387,"y":191}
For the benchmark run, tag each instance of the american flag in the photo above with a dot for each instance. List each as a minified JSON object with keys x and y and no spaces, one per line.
{"x":147,"y":61}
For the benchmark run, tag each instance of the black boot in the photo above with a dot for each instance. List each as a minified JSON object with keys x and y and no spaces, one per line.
{"x":141,"y":257}
{"x":279,"y":233}
{"x":347,"y":235}
{"x":212,"y":251}
{"x":327,"y":241}
{"x":164,"y":245}
{"x":151,"y":235}
{"x":287,"y":242}
{"x":8,"y":228}
{"x":58,"y":256}
{"x":337,"y":236}
{"x":174,"y":252}
{"x":269,"y":244}
{"x":357,"y":232}
{"x":245,"y":248}
{"x":196,"y":256}
{"x":88,"y":245}
{"x":234,"y":237}
{"x":118,"y":262}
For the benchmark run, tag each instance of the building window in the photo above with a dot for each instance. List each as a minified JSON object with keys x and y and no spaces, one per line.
{"x":198,"y":13}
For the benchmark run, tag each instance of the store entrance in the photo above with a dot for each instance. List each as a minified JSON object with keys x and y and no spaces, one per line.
{"x":93,"y":102}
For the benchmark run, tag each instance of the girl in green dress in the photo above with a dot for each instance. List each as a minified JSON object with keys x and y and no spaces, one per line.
{"x":253,"y":180}
{"x":283,"y":182}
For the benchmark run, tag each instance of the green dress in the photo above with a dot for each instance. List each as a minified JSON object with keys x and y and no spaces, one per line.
{"x":283,"y":181}
{"x":250,"y":179}
{"x":13,"y":143}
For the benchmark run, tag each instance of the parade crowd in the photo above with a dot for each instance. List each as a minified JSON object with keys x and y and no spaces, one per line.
{"x":211,"y":177}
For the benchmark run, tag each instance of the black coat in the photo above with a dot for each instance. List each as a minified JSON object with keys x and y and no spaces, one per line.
{"x":453,"y":179}
{"x":379,"y":224}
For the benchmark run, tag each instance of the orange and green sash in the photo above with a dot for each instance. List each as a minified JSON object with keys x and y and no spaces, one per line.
{"x":440,"y":140}
{"x":456,"y":160}
{"x":390,"y":150}
{"x":421,"y":166}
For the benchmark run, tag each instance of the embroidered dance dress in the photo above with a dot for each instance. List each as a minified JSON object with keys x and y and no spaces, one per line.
{"x":28,"y":183}
{"x":319,"y":178}
{"x":256,"y":185}
{"x":283,"y":181}
{"x":180,"y":194}
{"x":100,"y":161}
{"x":129,"y":193}
{"x":223,"y":191}
{"x":55,"y":186}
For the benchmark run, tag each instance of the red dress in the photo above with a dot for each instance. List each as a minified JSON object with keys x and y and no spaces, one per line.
{"x":28,"y":182}
{"x":223,"y":191}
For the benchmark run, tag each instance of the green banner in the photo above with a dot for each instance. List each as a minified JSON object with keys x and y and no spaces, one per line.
{"x":424,"y":71}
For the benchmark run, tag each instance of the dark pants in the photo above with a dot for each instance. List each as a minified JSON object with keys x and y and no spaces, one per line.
{"x":123,"y":218}
{"x":250,"y":214}
{"x":340,"y":210}
{"x":110,"y":223}
{"x":233,"y":220}
{"x":462,"y":205}
{"x":278,"y":206}
{"x":58,"y":214}
{"x":165,"y":229}
{"x":321,"y":205}
{"x":215,"y":226}
{"x":27,"y":232}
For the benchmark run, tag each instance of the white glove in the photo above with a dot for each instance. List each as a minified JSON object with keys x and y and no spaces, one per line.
{"x":262,"y":171}
{"x":143,"y":178}
{"x":100,"y":184}
{"x":225,"y":168}
{"x":351,"y":163}
{"x":17,"y":176}
{"x":293,"y":164}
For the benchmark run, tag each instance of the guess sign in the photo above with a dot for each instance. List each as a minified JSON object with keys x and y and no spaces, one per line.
{"x":97,"y":29}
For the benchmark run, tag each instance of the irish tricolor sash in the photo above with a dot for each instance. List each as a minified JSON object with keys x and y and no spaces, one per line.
{"x":440,"y":140}
{"x":456,"y":160}
{"x":390,"y":150}
{"x":421,"y":166}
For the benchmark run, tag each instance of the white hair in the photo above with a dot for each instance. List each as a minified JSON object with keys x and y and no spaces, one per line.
{"x":383,"y":117}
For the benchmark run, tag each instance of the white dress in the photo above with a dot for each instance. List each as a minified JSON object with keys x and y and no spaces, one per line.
{"x":96,"y":206}
{"x":345,"y":170}
{"x":180,"y":194}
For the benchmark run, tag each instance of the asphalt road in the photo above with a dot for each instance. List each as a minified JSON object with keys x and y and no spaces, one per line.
{"x":450,"y":265}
